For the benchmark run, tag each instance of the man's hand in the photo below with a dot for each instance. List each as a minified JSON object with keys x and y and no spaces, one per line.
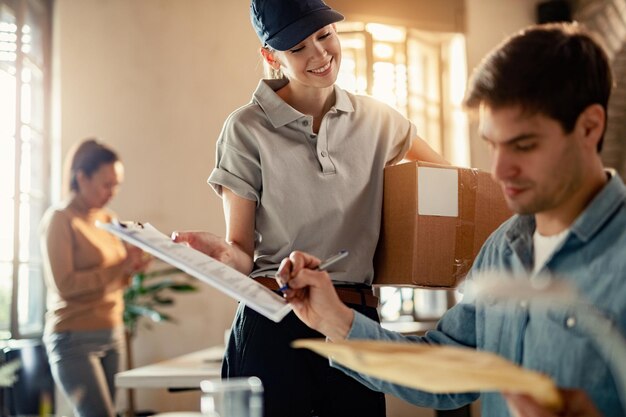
{"x":576,"y":404}
{"x":313,"y":296}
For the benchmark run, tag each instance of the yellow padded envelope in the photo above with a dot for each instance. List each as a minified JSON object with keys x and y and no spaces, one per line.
{"x":436,"y":369}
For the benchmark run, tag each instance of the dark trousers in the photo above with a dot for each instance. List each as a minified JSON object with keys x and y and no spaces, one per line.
{"x":296,"y":382}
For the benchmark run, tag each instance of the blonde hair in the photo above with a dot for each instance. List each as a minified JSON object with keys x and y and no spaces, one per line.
{"x":270,"y":72}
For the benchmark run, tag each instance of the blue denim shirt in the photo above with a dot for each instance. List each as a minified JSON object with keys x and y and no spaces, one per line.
{"x":592,"y":257}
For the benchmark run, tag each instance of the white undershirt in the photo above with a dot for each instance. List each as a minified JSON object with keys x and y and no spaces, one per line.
{"x":545,"y":247}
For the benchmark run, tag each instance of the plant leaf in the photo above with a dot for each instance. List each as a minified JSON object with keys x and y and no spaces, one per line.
{"x":165,"y":283}
{"x":183,"y":288}
{"x":145,"y":292}
{"x":161,"y":272}
{"x":163,"y":300}
{"x":8,"y":372}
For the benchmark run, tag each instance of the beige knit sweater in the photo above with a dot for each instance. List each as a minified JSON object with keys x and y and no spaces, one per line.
{"x":83,"y":269}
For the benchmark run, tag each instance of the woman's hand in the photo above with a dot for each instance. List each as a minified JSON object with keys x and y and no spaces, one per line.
{"x":576,"y":404}
{"x":208,"y":243}
{"x":313,"y":296}
{"x":217,"y":248}
{"x":136,"y":260}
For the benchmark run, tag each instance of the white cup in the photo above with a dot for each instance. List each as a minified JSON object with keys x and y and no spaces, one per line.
{"x":234,"y":397}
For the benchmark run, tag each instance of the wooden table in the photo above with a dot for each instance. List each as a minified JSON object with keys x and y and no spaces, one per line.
{"x":182,"y":372}
{"x":185,"y":372}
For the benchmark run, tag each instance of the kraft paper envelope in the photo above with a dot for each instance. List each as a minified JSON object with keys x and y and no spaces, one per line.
{"x":436,"y":369}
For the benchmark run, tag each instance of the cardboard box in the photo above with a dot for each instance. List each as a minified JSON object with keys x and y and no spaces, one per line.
{"x":435,"y":220}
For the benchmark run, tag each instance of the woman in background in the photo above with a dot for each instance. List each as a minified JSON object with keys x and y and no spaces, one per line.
{"x":86,"y":270}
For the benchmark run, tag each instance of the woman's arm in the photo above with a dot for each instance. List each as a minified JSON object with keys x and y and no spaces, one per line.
{"x":58,"y":259}
{"x":237,"y":249}
{"x":239,"y":214}
{"x":421,"y":151}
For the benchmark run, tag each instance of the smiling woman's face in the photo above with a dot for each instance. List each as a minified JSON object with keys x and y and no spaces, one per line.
{"x":315,"y":61}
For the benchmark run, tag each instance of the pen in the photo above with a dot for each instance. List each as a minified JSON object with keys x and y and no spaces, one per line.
{"x":324,"y":265}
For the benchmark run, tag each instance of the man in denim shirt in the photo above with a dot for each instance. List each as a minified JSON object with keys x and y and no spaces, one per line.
{"x":542,"y":98}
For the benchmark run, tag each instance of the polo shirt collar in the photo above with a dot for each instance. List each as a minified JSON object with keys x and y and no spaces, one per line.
{"x":342,"y":101}
{"x":280,"y":113}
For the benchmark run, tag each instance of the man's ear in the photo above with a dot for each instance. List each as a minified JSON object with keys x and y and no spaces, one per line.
{"x":270,"y":58}
{"x":591,"y":123}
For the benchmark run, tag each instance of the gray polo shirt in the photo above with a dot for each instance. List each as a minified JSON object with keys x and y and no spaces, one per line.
{"x":318,"y":193}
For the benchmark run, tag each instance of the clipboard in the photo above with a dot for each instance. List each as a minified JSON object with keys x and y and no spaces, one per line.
{"x":195,"y":263}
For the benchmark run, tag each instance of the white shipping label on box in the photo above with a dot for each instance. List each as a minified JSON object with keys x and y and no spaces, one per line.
{"x":437,"y":192}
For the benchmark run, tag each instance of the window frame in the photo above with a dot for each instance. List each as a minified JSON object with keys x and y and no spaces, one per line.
{"x":39,"y":14}
{"x":448,"y":109}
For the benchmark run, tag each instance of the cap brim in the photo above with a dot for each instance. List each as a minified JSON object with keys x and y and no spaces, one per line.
{"x":301,"y":29}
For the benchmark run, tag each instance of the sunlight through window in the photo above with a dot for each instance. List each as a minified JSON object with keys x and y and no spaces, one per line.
{"x":23,"y":165}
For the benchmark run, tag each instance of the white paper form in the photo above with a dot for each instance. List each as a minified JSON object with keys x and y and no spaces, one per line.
{"x":197,"y":264}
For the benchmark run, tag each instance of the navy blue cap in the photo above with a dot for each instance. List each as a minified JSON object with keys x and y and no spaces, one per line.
{"x":282,"y":24}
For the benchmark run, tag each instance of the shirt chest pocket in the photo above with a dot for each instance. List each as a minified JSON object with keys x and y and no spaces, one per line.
{"x":574,"y":348}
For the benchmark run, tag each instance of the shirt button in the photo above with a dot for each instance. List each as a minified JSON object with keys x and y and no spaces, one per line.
{"x":324,"y":154}
{"x":570,"y":322}
{"x":305,"y":123}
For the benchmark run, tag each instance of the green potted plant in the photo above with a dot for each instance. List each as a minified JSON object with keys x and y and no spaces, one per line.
{"x":144,"y":299}
{"x":148,"y":292}
{"x":8,"y":373}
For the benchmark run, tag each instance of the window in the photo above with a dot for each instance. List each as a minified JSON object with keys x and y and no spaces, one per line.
{"x":24,"y":150}
{"x":422,"y":75}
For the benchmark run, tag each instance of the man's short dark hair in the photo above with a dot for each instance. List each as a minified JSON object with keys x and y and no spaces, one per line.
{"x":556,"y":69}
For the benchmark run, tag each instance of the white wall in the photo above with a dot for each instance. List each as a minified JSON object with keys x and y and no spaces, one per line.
{"x":488,"y":22}
{"x":156,"y":79}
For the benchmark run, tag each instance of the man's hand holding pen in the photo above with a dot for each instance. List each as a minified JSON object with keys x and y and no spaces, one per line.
{"x":313,"y":296}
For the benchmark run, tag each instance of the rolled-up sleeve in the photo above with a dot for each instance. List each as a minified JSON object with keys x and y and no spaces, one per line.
{"x":402,"y":141}
{"x":237,"y":165}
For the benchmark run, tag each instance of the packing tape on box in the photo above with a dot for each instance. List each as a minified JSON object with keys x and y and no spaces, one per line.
{"x":464,"y":242}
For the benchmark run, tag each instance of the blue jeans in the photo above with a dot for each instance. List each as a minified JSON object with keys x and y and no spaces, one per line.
{"x":296,"y":382}
{"x":84,"y":364}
